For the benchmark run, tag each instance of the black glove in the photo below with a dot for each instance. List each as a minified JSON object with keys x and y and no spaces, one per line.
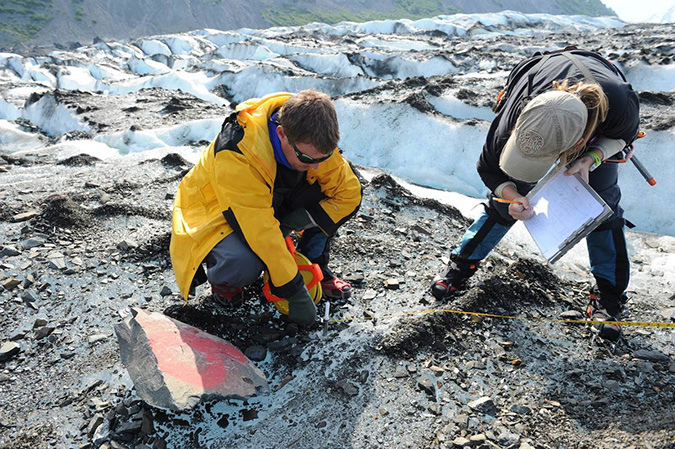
{"x":296,"y":220}
{"x":301,"y":309}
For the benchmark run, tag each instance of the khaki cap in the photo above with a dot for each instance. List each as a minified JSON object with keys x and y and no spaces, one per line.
{"x":550,"y":124}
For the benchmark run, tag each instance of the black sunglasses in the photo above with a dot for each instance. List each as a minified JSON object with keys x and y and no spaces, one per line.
{"x":307,"y":159}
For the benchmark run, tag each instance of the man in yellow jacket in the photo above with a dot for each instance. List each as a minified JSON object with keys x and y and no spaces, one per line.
{"x":274,"y":167}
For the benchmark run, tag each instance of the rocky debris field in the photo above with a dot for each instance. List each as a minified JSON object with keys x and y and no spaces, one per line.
{"x":84,"y":238}
{"x":386,"y":373}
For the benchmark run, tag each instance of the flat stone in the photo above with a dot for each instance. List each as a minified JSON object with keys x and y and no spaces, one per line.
{"x":369,"y":294}
{"x":166,"y":291}
{"x":520,"y":409}
{"x":11,"y":283}
{"x":400,"y":372}
{"x":484,"y":405}
{"x":434,"y":408}
{"x":32,"y":243}
{"x":256,"y":353}
{"x":348,"y":387}
{"x":99,"y":404}
{"x":462,"y":420}
{"x":438,"y":370}
{"x":506,"y":438}
{"x":571,"y":315}
{"x":43,"y":331}
{"x":17,"y":335}
{"x":133,"y":427}
{"x":461,"y":442}
{"x":100,"y":434}
{"x":265,"y":334}
{"x":29,"y":280}
{"x":392,"y":284}
{"x":39,"y":322}
{"x":29,"y":298}
{"x":355,"y":278}
{"x":475,"y":364}
{"x":612,"y":385}
{"x":175,"y":366}
{"x":9,"y":251}
{"x":97,"y":337}
{"x":8,"y":350}
{"x":126,"y":245}
{"x":477,"y":440}
{"x":94,"y":424}
{"x":57,"y":263}
{"x":25,"y":216}
{"x":652,"y":356}
{"x":668,"y":313}
{"x":249,"y":414}
{"x":427,"y":384}
{"x":421,"y":229}
{"x":281,"y":345}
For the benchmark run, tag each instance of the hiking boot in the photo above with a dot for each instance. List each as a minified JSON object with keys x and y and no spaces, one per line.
{"x":227,"y":296}
{"x":454,"y":278}
{"x":336,"y":288}
{"x":609,"y":331}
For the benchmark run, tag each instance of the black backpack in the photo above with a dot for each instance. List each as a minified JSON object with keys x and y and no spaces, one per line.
{"x":533,"y":64}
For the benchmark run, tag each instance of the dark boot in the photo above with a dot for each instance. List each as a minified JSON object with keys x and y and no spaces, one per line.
{"x":606,"y":307}
{"x":336,"y":288}
{"x":227,"y":296}
{"x":453,"y":278}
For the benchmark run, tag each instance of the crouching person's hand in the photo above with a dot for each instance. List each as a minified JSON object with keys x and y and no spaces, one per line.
{"x":301,"y":308}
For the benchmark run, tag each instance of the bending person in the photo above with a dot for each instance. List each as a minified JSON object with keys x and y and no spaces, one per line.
{"x":566,"y":107}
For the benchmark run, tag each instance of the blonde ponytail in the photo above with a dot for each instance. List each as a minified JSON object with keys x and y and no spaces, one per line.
{"x":596,"y":102}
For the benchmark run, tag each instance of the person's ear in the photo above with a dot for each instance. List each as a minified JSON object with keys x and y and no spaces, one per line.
{"x":280,"y":132}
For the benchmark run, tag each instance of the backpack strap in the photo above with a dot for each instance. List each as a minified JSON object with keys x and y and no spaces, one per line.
{"x":580,"y":65}
{"x":530,"y":78}
{"x":532,"y":73}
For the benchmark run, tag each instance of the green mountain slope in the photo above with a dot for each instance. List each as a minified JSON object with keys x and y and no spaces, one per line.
{"x":45,"y":22}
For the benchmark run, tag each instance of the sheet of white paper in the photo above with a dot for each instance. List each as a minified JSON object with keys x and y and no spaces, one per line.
{"x":561,"y":208}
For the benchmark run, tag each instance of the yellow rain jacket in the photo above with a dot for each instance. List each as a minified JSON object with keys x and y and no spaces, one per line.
{"x":231,"y":187}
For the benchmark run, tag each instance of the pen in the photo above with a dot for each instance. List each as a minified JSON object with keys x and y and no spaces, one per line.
{"x":504,"y":200}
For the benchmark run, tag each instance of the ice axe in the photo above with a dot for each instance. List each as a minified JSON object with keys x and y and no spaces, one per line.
{"x":640,"y":167}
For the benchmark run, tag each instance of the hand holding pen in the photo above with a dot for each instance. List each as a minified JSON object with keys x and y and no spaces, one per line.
{"x":519,"y":208}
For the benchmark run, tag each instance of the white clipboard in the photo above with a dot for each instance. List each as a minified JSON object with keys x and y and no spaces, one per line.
{"x":566,"y":209}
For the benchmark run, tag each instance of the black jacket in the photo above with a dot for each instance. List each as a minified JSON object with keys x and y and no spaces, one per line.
{"x":622,"y":120}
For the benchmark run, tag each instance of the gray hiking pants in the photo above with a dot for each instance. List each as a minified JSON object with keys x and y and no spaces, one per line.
{"x":233,"y":263}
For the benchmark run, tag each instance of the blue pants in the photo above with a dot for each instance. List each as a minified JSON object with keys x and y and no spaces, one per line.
{"x":606,"y":244}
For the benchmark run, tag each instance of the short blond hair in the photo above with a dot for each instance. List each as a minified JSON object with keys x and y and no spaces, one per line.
{"x":310,"y":117}
{"x":597,"y":104}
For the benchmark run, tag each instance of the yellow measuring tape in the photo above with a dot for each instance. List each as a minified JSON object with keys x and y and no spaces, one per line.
{"x":510,"y":317}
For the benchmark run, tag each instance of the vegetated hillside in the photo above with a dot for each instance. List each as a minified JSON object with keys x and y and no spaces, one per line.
{"x":45,"y":22}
